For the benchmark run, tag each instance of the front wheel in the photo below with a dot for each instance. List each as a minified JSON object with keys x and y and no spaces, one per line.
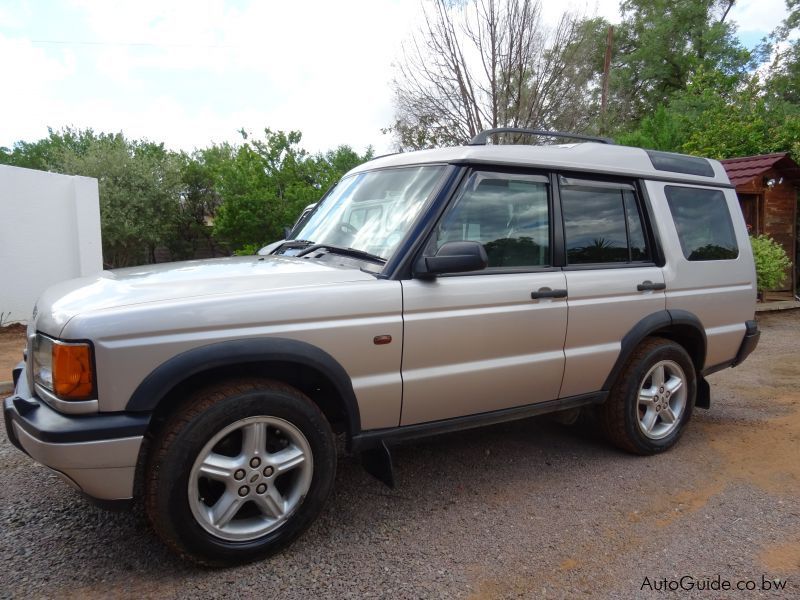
{"x":239,"y":471}
{"x":652,"y":402}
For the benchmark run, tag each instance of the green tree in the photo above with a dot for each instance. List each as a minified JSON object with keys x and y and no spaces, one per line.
{"x":329,"y":167}
{"x":663,"y":130}
{"x":749,"y":125}
{"x":661,"y":45}
{"x":268,"y":182}
{"x":199,"y":201}
{"x":783,"y":75}
{"x":140,"y":184}
{"x":152,"y":197}
{"x":705,"y":120}
{"x":260,"y":187}
{"x":45,"y":154}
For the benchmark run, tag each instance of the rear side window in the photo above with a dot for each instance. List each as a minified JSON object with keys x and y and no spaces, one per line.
{"x":602,"y":223}
{"x":703,"y":222}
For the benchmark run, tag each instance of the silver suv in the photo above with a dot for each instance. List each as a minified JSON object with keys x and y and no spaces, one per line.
{"x":426,"y":292}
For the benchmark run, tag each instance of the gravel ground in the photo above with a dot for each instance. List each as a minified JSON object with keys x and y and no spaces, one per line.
{"x":12,"y":343}
{"x":522,"y":510}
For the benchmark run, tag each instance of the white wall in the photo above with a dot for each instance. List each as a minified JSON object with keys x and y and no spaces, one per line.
{"x":49,"y":231}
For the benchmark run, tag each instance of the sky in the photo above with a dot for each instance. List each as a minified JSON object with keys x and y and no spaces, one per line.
{"x":193,"y":72}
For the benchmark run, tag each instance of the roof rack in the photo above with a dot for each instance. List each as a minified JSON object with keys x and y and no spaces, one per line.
{"x":483,"y":136}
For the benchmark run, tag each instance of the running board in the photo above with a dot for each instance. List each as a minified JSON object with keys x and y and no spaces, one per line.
{"x":371,"y":438}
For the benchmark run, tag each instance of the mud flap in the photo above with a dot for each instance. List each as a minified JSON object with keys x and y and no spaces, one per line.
{"x":377,"y":462}
{"x":703,"y":399}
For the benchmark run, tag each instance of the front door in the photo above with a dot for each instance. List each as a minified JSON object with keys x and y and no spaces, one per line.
{"x":479,"y":342}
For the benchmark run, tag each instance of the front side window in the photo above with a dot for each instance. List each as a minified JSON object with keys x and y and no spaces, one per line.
{"x":372,"y":211}
{"x":506,"y":213}
{"x":602,"y":223}
{"x":703,"y":222}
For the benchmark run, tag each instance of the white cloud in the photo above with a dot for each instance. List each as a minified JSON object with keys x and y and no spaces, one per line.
{"x":609,"y":9}
{"x":758,"y":16}
{"x":13,"y":16}
{"x":27,"y":95}
{"x":325,"y":65}
{"x":190,"y":72}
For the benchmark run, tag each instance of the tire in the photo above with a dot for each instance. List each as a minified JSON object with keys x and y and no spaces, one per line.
{"x":239,"y":471}
{"x":652,"y":401}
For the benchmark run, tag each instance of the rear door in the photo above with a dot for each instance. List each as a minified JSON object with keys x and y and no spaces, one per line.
{"x":479,"y":342}
{"x":709,"y":270}
{"x":611,"y":273}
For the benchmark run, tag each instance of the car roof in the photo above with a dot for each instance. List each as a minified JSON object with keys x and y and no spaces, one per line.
{"x":585,"y":157}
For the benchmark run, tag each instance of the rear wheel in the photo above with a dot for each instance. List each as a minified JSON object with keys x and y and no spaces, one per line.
{"x":239,"y":472}
{"x":652,"y":401}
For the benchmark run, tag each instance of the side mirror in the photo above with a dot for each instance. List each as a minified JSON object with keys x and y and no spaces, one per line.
{"x":287,"y":231}
{"x":453,"y":257}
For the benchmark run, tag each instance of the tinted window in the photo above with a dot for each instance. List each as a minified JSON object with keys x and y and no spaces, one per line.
{"x":636,"y":239}
{"x":703,"y":222}
{"x":602,"y":223}
{"x":508,"y":214}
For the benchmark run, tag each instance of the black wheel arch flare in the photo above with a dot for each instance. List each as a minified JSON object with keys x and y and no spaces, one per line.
{"x":681,"y":326}
{"x":232,"y":353}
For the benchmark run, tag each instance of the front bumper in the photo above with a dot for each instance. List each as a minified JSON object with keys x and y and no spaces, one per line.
{"x":95,"y":453}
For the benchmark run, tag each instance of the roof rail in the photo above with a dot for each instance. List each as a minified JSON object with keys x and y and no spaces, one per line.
{"x":483,"y":136}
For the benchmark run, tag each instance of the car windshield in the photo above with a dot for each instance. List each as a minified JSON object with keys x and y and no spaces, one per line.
{"x":371,"y":211}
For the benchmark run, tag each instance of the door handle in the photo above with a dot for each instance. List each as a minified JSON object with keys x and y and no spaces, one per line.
{"x":647,"y":286}
{"x":548,"y":293}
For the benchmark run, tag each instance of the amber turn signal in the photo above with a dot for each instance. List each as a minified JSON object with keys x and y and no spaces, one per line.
{"x":72,"y":371}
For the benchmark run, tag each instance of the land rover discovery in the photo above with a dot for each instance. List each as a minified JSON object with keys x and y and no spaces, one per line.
{"x":426,"y":292}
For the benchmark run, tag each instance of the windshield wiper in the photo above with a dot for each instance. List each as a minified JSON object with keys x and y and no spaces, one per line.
{"x":289,"y":244}
{"x":343,"y":251}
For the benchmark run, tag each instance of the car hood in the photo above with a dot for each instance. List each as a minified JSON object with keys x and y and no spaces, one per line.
{"x":189,"y":279}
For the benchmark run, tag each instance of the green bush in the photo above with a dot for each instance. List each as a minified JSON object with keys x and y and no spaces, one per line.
{"x":248,"y":250}
{"x":771,"y":262}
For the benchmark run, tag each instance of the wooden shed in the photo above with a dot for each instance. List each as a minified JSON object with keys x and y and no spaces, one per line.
{"x":767,"y":188}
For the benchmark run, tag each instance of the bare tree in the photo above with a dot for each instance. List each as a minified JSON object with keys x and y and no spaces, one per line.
{"x":492,"y":63}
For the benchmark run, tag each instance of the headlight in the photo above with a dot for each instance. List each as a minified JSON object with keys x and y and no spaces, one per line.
{"x":64,"y":368}
{"x":43,"y":361}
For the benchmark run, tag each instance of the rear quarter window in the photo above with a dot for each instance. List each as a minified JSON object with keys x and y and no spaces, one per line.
{"x":703,"y":221}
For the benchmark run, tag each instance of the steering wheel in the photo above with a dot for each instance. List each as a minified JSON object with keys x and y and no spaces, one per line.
{"x":346,"y":227}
